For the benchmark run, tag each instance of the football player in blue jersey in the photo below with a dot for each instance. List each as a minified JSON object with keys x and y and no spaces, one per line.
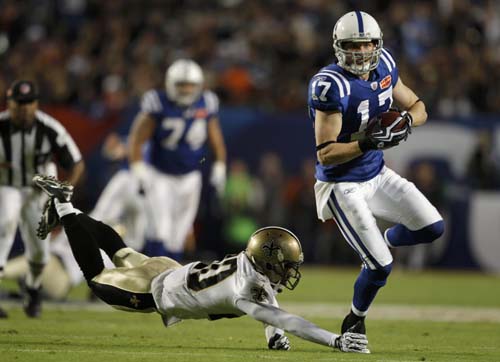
{"x":353,"y":184}
{"x":177,"y":123}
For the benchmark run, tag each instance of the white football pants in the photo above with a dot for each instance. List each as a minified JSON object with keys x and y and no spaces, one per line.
{"x":121,"y":206}
{"x":22,"y":207}
{"x":171,"y":206}
{"x":354,"y":205}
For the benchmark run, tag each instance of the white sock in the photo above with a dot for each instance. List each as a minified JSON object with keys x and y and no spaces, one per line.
{"x":64,"y":208}
{"x":358,"y":312}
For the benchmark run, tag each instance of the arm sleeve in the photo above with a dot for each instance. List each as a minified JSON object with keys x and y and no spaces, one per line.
{"x":387,"y":59}
{"x":328,"y":92}
{"x":151,"y":103}
{"x":212,"y":104}
{"x":63,"y":146}
{"x":271,"y":330}
{"x":291,"y":323}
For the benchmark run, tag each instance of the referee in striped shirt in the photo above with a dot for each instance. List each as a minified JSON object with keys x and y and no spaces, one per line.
{"x":31,"y":142}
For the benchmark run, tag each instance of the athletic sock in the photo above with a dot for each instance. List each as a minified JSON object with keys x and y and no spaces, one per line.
{"x":34,"y":275}
{"x":83,"y":245}
{"x":105,"y":236}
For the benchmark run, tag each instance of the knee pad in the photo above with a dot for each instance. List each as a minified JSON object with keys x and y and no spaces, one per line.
{"x":379,"y":276}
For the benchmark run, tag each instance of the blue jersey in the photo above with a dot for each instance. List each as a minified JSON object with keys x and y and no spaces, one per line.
{"x":335,"y":89}
{"x":179,"y":140}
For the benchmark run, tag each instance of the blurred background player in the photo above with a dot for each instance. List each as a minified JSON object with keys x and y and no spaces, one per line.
{"x":177,"y":122}
{"x":31,"y":142}
{"x":353,"y":185}
{"x":240,"y":284}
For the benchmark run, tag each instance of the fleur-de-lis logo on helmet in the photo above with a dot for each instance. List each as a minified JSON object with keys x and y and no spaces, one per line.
{"x":276,"y":252}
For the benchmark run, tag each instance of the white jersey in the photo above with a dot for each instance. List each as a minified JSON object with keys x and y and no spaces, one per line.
{"x":200,"y":291}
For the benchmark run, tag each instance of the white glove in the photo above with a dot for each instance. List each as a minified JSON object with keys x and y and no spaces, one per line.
{"x":279,"y":342}
{"x":352,"y":342}
{"x":140,"y":170}
{"x":218,"y":177}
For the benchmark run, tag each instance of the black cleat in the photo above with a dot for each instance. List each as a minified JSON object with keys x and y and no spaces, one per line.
{"x":3,"y":313}
{"x":60,"y":190}
{"x":49,"y":220}
{"x":33,"y":302}
{"x":354,"y":324}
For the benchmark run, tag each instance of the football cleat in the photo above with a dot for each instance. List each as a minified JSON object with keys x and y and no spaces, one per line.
{"x":61,"y":190}
{"x":33,"y":302}
{"x":354,"y":324}
{"x":49,"y":220}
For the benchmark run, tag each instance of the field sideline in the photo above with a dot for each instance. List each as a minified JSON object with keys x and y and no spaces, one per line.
{"x":432,"y":316}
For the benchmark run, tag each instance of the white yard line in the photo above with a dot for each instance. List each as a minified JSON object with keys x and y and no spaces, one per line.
{"x":377,"y":311}
{"x":401,"y":312}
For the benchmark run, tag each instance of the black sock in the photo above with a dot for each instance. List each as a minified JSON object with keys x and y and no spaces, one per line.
{"x":84,"y":247}
{"x":106,"y":237}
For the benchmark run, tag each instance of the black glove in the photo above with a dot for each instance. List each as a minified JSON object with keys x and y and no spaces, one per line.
{"x":381,"y":138}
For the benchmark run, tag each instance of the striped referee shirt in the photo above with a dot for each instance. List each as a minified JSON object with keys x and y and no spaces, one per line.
{"x":25,"y":152}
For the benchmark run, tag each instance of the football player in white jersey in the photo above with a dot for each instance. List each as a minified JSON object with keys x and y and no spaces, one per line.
{"x":240,"y":284}
{"x":353,"y":184}
{"x":177,"y":123}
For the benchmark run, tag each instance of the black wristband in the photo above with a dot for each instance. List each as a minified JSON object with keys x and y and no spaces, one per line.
{"x":323,"y":145}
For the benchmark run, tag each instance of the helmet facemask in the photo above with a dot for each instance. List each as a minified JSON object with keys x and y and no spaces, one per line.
{"x":358,"y":62}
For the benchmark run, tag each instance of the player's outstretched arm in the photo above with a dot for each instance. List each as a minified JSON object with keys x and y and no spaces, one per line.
{"x":407,"y":100}
{"x":298,"y":326}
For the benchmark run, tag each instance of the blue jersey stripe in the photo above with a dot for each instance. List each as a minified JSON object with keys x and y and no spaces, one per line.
{"x":361,"y":27}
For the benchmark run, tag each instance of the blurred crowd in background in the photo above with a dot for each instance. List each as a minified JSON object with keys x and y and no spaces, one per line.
{"x":99,"y":55}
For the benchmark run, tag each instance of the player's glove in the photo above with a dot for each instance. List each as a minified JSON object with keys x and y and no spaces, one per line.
{"x":279,"y":342}
{"x":352,"y":342}
{"x":409,"y":123}
{"x":141,"y":173}
{"x":218,"y":177}
{"x":381,"y":138}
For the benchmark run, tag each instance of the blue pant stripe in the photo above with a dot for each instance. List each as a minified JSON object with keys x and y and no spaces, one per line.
{"x":354,"y":234}
{"x":344,"y":233}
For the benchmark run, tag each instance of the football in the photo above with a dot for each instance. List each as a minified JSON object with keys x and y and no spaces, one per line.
{"x":386,"y":119}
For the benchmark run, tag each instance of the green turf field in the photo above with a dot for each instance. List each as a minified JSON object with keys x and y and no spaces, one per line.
{"x":394,"y":332}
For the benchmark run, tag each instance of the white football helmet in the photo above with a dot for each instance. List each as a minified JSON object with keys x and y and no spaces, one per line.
{"x":357,"y":26}
{"x":183,"y":71}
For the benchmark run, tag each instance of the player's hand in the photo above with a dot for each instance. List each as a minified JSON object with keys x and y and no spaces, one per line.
{"x":218,"y":177}
{"x":141,"y":173}
{"x":279,"y":342}
{"x":378,"y":141}
{"x":352,"y":342}
{"x":409,"y":122}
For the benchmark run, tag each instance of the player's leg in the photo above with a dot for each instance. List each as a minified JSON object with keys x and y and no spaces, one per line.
{"x":159,"y":203}
{"x":110,"y":204}
{"x":82,"y":231}
{"x":347,"y":204}
{"x":188,"y":198}
{"x":398,"y":200}
{"x":10,"y":212}
{"x":37,"y":252}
